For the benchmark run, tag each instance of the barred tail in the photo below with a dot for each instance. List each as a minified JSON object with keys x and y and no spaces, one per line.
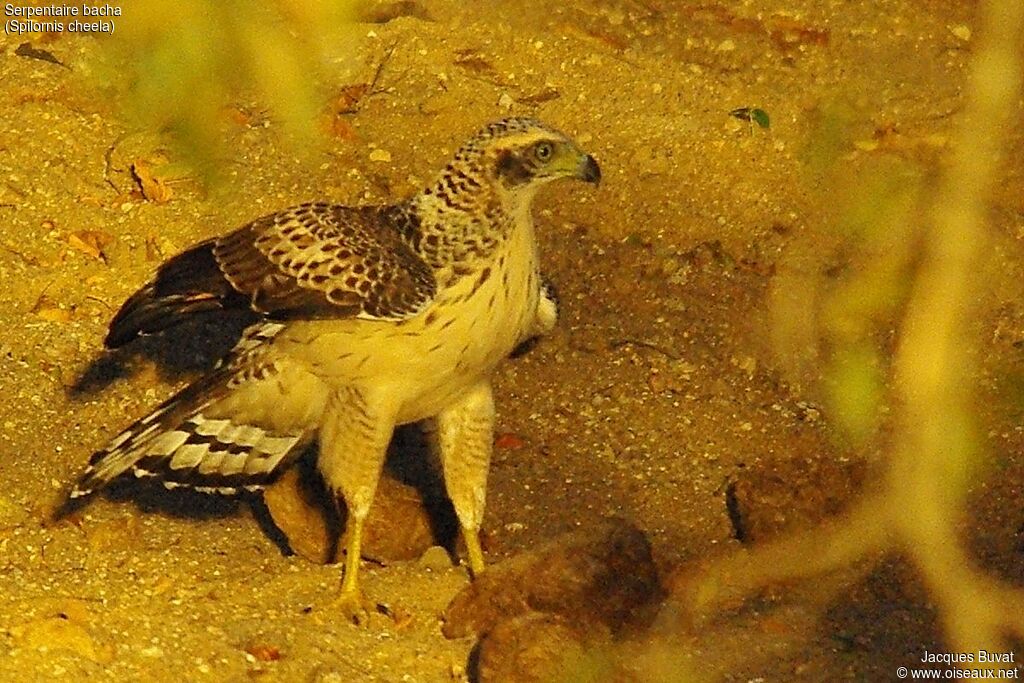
{"x":192,"y":441}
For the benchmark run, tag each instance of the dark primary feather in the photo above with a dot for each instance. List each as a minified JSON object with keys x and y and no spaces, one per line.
{"x":189,"y":283}
{"x":189,"y":441}
{"x":312,"y":261}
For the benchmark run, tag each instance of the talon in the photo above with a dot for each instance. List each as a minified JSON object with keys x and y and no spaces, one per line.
{"x":351,"y":602}
{"x":353,"y":607}
{"x":475,"y":551}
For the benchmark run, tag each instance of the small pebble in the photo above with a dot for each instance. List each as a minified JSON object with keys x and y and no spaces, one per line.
{"x":436,"y":559}
{"x":961,"y":31}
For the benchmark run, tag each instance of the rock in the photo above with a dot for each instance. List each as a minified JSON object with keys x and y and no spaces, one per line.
{"x":300,"y":516}
{"x":436,"y":559}
{"x":763,"y":502}
{"x":67,"y":630}
{"x":399,"y":524}
{"x":530,"y":648}
{"x":599,"y":579}
{"x":398,"y":527}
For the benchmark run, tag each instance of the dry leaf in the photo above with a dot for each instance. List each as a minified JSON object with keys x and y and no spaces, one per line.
{"x":54,"y":315}
{"x":90,"y":242}
{"x":509,"y":441}
{"x":342,"y":129}
{"x":345,"y":103}
{"x":159,"y":248}
{"x":401,"y":617}
{"x":48,"y":309}
{"x":263,"y":652}
{"x":349,"y":97}
{"x":545,"y":95}
{"x":239,"y":117}
{"x":26,"y":50}
{"x":471,"y":60}
{"x":154,"y":188}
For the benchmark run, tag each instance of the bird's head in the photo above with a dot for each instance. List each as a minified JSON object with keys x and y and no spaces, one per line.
{"x":515,"y":157}
{"x":524,"y":154}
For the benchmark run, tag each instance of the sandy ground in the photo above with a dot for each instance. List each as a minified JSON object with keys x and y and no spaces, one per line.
{"x":661,"y":387}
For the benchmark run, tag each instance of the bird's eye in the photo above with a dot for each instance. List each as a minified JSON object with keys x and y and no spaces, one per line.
{"x":543,"y":150}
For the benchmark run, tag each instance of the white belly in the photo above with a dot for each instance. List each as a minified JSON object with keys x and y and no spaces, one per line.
{"x":420,"y":365}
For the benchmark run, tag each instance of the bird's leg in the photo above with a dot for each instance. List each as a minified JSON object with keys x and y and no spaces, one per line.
{"x":353,"y":442}
{"x":353,"y":551}
{"x":476,"y":554}
{"x":464,"y":434}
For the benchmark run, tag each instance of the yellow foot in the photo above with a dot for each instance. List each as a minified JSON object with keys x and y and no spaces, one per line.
{"x":353,"y":607}
{"x":475,"y":552}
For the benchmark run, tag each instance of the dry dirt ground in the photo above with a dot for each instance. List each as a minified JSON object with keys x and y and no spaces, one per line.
{"x":660,"y":392}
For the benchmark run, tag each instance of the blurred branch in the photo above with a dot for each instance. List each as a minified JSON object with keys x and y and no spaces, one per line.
{"x":919,"y":509}
{"x":181,"y":64}
{"x":862,"y":531}
{"x":935,"y":451}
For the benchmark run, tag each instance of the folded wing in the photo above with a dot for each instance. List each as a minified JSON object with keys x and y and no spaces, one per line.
{"x":311,"y":261}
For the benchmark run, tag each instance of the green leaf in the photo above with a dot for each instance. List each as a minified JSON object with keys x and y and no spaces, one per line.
{"x":760,"y":117}
{"x":755,"y":114}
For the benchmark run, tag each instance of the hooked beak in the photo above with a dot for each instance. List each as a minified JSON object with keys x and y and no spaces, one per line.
{"x":588,"y":171}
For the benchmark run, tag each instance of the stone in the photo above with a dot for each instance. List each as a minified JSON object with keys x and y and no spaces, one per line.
{"x":600,"y":579}
{"x":764,"y":502}
{"x":435,"y":558}
{"x":530,"y":648}
{"x":398,"y":528}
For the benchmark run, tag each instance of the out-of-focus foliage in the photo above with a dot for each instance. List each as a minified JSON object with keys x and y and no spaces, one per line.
{"x":835,"y":317}
{"x":891,"y":329}
{"x":176,"y":65}
{"x":881,"y":226}
{"x":831,"y":137}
